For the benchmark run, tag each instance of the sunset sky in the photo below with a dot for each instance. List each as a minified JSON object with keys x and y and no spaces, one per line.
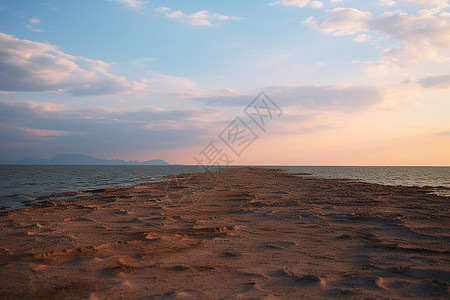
{"x":357,"y":82}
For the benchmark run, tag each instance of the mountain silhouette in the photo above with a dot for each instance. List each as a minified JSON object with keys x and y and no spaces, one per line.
{"x":82,"y":159}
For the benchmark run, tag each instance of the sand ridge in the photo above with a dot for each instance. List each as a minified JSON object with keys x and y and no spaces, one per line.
{"x":239,"y":234}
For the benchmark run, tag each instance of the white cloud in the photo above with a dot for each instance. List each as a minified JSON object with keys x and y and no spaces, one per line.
{"x":341,"y":21}
{"x":162,"y":9}
{"x":27,"y":66}
{"x":200,"y":18}
{"x":316,"y":4}
{"x":421,"y":35}
{"x":422,"y":28}
{"x":361,"y":38}
{"x":297,"y":3}
{"x":437,"y":5}
{"x":98,"y":65}
{"x":131,"y":3}
{"x":33,"y":23}
{"x":387,"y":2}
{"x":392,"y":59}
{"x":172,"y":85}
{"x":34,"y":29}
{"x":175,"y":14}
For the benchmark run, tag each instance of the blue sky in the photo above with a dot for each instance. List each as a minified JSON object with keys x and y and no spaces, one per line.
{"x":149,"y":79}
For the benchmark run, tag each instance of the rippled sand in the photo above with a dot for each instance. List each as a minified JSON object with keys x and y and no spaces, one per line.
{"x":242,"y":233}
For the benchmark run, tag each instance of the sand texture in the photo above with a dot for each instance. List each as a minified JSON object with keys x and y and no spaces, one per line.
{"x":245,"y":233}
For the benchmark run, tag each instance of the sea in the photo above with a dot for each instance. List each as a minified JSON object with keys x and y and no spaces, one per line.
{"x":20,"y":185}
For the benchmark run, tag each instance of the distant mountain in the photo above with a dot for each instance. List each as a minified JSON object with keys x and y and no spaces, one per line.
{"x":154,"y":162}
{"x":81,"y":159}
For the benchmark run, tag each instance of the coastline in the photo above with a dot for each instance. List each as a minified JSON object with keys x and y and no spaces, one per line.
{"x":18,"y":189}
{"x":243,"y":232}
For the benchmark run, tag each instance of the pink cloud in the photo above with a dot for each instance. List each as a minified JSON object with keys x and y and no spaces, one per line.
{"x":49,"y":132}
{"x":27,"y":66}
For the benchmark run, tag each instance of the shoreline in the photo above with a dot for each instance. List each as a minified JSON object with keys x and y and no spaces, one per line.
{"x":22,"y":199}
{"x":246,"y":232}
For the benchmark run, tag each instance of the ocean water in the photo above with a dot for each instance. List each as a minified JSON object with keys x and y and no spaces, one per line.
{"x":22,"y":184}
{"x":438,"y":177}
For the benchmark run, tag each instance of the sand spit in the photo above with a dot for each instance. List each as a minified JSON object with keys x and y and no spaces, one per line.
{"x":245,"y":233}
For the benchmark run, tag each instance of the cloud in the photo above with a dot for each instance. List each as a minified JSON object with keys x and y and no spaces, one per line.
{"x":436,"y":81}
{"x":48,"y":132}
{"x":316,"y":4}
{"x":361,"y":38}
{"x":200,"y":18}
{"x":341,"y":21}
{"x":298,"y":3}
{"x":444,"y":133}
{"x":422,"y":28}
{"x":437,"y":4}
{"x":310,"y":108}
{"x":312,"y":97}
{"x":143,"y":61}
{"x":424,"y":34}
{"x":27,"y":66}
{"x":388,"y":2}
{"x":44,"y":129}
{"x":172,"y":85}
{"x":131,"y":3}
{"x":327,"y":97}
{"x":33,"y":23}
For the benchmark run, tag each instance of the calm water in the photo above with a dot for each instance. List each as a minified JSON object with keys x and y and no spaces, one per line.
{"x":411,"y":176}
{"x":19,"y":184}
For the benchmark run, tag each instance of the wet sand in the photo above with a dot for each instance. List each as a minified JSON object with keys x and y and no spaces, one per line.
{"x":242,"y":233}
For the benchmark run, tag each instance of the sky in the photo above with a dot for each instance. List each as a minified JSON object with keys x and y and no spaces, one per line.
{"x":289,"y":82}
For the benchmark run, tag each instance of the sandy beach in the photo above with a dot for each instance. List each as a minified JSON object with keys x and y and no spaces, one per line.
{"x":240,"y":233}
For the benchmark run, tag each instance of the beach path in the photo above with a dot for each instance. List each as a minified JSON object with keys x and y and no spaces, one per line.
{"x":234,"y":234}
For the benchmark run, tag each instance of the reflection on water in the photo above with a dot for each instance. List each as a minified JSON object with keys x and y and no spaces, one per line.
{"x":19,"y":184}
